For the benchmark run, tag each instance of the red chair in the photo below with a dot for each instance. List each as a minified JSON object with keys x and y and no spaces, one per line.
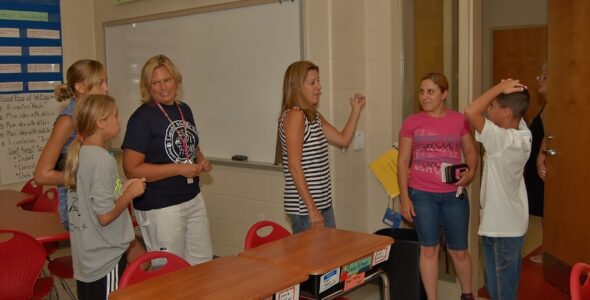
{"x":22,"y":259}
{"x":254,"y":239}
{"x":31,"y":187}
{"x":580,"y":281}
{"x":45,"y":202}
{"x":134,"y":274}
{"x":63,"y":268}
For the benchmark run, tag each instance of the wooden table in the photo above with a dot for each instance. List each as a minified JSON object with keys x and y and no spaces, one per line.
{"x":45,"y":227}
{"x":325,"y":252}
{"x":228,"y":277}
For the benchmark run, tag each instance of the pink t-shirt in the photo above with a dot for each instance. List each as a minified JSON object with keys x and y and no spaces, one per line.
{"x":434,"y":141}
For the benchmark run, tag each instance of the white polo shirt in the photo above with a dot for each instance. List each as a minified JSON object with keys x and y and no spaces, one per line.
{"x":504,"y":206}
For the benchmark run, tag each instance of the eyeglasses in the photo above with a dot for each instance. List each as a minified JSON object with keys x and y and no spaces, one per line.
{"x":541,"y":77}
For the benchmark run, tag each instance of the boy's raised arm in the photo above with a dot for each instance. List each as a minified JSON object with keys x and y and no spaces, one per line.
{"x":474,"y":112}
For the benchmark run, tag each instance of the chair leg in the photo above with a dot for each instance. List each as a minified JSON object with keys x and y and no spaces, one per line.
{"x":67,"y":288}
{"x":54,"y":294}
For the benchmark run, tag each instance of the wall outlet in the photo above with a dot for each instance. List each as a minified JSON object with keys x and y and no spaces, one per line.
{"x":358,"y":142}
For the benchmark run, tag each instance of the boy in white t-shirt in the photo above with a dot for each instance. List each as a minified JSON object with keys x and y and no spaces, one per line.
{"x":497,"y":118}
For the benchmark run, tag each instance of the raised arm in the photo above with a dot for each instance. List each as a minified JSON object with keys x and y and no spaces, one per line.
{"x":474,"y":112}
{"x":344,"y":138}
{"x":294,"y":124}
{"x":44,"y":171}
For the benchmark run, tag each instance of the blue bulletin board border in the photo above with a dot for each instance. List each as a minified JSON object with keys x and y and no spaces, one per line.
{"x":24,"y":15}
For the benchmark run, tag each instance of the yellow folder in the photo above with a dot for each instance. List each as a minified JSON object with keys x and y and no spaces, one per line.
{"x":385,"y":169}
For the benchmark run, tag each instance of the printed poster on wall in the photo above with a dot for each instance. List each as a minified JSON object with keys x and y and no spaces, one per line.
{"x":31,"y":65}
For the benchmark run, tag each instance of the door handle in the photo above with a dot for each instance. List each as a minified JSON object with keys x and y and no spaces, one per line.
{"x":550,"y":152}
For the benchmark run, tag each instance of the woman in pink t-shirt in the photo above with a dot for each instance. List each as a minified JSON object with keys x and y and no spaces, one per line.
{"x":430,"y":139}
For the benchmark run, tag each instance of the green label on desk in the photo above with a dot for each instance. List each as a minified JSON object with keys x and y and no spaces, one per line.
{"x":361,"y":265}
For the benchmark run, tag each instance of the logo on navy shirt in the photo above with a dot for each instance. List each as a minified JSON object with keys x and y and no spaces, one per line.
{"x":175,"y":133}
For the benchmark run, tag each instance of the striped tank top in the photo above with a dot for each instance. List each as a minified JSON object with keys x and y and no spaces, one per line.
{"x":315,"y":165}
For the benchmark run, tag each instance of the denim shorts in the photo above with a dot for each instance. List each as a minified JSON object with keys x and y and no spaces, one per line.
{"x":434,"y":210}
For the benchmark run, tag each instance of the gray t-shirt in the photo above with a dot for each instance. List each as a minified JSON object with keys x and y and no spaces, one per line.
{"x":96,"y":249}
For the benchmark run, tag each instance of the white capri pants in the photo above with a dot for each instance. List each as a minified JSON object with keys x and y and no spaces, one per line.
{"x":182,"y":229}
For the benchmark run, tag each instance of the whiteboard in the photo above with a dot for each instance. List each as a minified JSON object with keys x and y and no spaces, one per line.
{"x":232,"y":62}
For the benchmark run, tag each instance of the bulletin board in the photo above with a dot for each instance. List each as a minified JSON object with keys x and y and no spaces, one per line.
{"x":31,"y":65}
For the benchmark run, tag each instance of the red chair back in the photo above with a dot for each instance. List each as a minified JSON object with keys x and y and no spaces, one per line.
{"x":134,"y":274}
{"x":21,"y":261}
{"x":47,"y":202}
{"x":254,"y":239}
{"x":31,"y":187}
{"x":580,"y":281}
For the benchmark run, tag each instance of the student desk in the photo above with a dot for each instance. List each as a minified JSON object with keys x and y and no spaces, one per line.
{"x":336,"y":260}
{"x":43,"y":226}
{"x":228,"y":277}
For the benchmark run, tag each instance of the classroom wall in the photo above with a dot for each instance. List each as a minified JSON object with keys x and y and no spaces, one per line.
{"x":383,"y":43}
{"x":507,"y":14}
{"x":77,"y":31}
{"x":341,"y":57}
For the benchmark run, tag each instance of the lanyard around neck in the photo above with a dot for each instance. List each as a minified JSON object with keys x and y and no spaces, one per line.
{"x":183,"y":139}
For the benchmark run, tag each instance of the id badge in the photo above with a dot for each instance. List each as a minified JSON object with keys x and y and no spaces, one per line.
{"x":189,"y":180}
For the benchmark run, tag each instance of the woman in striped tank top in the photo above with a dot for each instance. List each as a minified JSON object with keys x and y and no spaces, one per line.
{"x":304,"y":134}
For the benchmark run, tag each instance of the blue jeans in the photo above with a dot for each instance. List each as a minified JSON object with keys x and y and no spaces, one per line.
{"x":436,"y":209}
{"x":502,"y":265}
{"x":300,"y":223}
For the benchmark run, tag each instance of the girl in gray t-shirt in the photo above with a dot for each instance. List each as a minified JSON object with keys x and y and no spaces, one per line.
{"x":100,"y":225}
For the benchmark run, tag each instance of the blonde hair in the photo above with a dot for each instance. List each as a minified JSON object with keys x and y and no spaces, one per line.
{"x":147,"y":71}
{"x":86,"y":115}
{"x":292,"y":83}
{"x":86,"y":71}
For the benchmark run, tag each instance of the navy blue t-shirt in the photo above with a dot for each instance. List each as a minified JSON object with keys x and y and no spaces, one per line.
{"x":149,"y":132}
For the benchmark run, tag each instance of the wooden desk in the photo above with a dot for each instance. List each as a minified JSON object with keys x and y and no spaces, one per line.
{"x":229,"y":277}
{"x":45,"y":227}
{"x":323,"y":250}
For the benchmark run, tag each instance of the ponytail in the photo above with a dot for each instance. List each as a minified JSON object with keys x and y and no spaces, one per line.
{"x":62,"y":93}
{"x":71,"y":168}
{"x":85,"y":71}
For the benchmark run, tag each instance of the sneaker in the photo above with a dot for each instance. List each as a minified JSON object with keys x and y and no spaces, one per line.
{"x":537,"y":258}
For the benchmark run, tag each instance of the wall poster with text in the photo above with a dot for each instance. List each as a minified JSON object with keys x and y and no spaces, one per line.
{"x":31,"y":66}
